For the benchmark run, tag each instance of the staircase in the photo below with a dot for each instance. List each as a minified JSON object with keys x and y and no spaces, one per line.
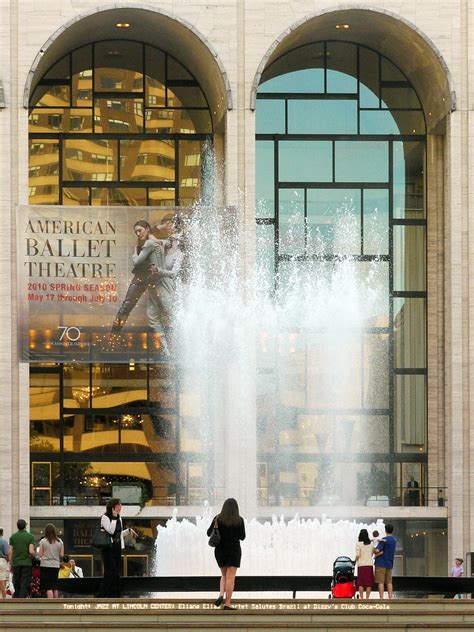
{"x":178,"y":615}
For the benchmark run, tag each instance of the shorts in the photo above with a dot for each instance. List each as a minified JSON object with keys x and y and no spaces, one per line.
{"x":365,"y":576}
{"x":383,"y":575}
{"x":4,"y":570}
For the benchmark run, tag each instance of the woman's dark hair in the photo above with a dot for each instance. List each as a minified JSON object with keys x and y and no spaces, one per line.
{"x":229,"y":514}
{"x":50,"y":533}
{"x":364,"y":536}
{"x":143,"y":223}
{"x":110,"y":505}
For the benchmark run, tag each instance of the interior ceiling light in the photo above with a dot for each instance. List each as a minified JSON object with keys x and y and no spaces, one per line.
{"x":122,"y":25}
{"x":343,"y":26}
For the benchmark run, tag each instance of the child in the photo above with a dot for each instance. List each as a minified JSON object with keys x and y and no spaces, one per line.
{"x":458,"y":569}
{"x":375,"y":538}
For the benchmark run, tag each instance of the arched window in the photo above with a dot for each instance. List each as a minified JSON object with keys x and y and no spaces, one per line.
{"x":117,"y":123}
{"x":339,"y":127}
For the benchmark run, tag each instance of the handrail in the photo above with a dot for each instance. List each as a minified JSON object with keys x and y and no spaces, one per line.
{"x":261,"y":583}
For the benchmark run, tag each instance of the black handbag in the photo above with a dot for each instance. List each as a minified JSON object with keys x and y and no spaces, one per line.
{"x":215,"y":538}
{"x":101,"y":540}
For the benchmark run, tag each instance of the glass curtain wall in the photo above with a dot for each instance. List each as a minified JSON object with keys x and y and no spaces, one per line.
{"x":115,"y":123}
{"x":340,"y":133}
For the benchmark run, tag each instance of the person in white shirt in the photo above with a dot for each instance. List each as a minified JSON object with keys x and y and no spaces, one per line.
{"x":365,"y":568}
{"x":76,"y":571}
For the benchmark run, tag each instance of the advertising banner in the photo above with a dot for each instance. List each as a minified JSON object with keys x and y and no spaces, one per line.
{"x":96,"y":284}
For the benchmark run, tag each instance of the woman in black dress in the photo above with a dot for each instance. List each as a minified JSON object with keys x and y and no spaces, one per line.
{"x":228,"y":552}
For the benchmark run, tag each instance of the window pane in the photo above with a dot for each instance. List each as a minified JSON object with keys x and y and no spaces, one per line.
{"x":409,"y":272}
{"x":410,"y":412}
{"x":43,"y":172}
{"x":147,"y":160}
{"x":334,"y":221}
{"x":46,"y":120}
{"x":118,"y":196}
{"x":155,"y":77}
{"x":117,"y":385}
{"x":369,"y":78}
{"x":161,"y":197}
{"x":322,"y":117}
{"x":190,"y":156}
{"x":44,"y":412}
{"x":124,"y":116}
{"x":376,"y":371}
{"x":78,"y":120}
{"x":409,"y":319}
{"x":363,"y":161}
{"x":92,"y":483}
{"x":186,"y":96}
{"x":90,"y":160}
{"x":270,"y":116}
{"x":178,"y":121}
{"x":82,"y":77}
{"x":400,"y":98}
{"x":75,"y":196}
{"x":342,"y":67}
{"x":391,"y":122}
{"x":265,"y":179}
{"x":76,"y":393}
{"x":305,"y":161}
{"x":60,"y":70}
{"x":375,"y":221}
{"x":291,"y":221}
{"x":391,"y":72}
{"x":51,"y":96}
{"x":408,"y":180}
{"x":177,"y":71}
{"x":266,"y":254}
{"x":300,"y":70}
{"x":148,"y":433}
{"x":116,"y":64}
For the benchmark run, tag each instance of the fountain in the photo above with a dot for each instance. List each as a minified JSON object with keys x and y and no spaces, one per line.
{"x":230,"y":319}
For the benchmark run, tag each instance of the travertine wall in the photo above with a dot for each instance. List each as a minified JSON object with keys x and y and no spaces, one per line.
{"x":241,"y":33}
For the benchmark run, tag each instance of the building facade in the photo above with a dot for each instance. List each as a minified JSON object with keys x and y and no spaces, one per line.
{"x":307,"y":108}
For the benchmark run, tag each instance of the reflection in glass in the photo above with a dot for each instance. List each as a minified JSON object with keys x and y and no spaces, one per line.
{"x":369,"y":78}
{"x":93,"y":160}
{"x":265,"y":182}
{"x":75,"y":196}
{"x":82,"y":77}
{"x":51,"y":96}
{"x":43,"y":171}
{"x":190,"y":157}
{"x":300,"y":70}
{"x":160,"y":121}
{"x":124,"y":116}
{"x":147,"y":160}
{"x":410,"y":412}
{"x":322,"y":117}
{"x":341,"y":62}
{"x":118,"y":196}
{"x":409,"y":319}
{"x":116,"y":384}
{"x":409,"y":273}
{"x":305,"y":161}
{"x":376,"y":371}
{"x":408,"y":180}
{"x":271,"y":116}
{"x":76,"y":386}
{"x":375,"y":221}
{"x":361,"y":161}
{"x":155,"y":91}
{"x":334,"y":220}
{"x":161,"y":197}
{"x":115,"y":66}
{"x":185,"y":96}
{"x":291,"y":221}
{"x":392,"y":122}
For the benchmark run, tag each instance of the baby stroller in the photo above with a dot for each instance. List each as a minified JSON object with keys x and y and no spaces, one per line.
{"x":343,"y":583}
